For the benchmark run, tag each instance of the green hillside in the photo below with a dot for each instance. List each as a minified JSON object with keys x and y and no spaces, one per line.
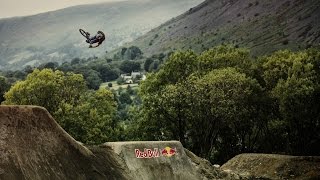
{"x":261,"y":26}
{"x":54,"y":36}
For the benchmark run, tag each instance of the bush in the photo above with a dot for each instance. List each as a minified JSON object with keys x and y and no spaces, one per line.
{"x":120,"y":81}
{"x":110,"y":84}
{"x":285,"y":42}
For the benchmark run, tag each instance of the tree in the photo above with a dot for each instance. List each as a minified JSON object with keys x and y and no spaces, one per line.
{"x":225,"y":56}
{"x":4,"y":86}
{"x":176,"y":69}
{"x":292,"y":80}
{"x":129,"y":66}
{"x":91,"y":120}
{"x":106,"y":71}
{"x":28,"y":69}
{"x":130,"y":91}
{"x":49,"y":65}
{"x":147,"y":64}
{"x":93,"y":79}
{"x":132,"y":53}
{"x":208,"y":111}
{"x":47,"y":88}
{"x":125,"y":98}
{"x":224,"y":100}
{"x":87,"y":115}
{"x":154,"y":66}
{"x":75,"y":61}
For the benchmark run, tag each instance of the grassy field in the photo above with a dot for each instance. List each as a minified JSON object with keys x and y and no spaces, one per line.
{"x":116,"y":86}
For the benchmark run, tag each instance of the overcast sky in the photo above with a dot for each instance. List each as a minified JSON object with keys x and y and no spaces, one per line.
{"x":10,"y":8}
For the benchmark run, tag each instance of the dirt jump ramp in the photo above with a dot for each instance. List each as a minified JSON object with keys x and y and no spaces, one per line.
{"x":153,"y":160}
{"x":33,"y":146}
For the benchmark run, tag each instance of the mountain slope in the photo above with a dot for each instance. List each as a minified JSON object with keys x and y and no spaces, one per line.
{"x":262,"y":26}
{"x":54,"y":36}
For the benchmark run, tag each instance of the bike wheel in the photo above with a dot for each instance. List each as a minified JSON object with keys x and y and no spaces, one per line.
{"x":84,"y":33}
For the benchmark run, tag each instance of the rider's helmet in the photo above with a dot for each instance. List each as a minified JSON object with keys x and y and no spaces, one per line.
{"x":103,"y":36}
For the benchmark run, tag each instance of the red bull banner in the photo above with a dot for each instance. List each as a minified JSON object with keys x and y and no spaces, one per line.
{"x":155,"y":153}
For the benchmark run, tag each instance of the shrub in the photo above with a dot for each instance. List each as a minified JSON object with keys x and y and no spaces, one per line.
{"x":285,"y":42}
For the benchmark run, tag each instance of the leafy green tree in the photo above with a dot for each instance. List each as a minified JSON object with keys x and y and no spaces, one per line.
{"x":129,"y":66}
{"x":125,"y":98}
{"x":292,"y":80}
{"x":46,"y":88}
{"x":93,"y":79}
{"x":49,"y":65}
{"x":154,"y":66}
{"x":224,"y":100}
{"x":225,"y":56}
{"x":147,"y":64}
{"x":130,"y":91}
{"x":91,"y":120}
{"x":28,"y":69}
{"x":65,"y":67}
{"x":4,"y":86}
{"x":209,"y":110}
{"x":107,"y":73}
{"x":132,"y":53}
{"x":176,"y":69}
{"x":75,"y":61}
{"x":157,"y":96}
{"x":87,"y":115}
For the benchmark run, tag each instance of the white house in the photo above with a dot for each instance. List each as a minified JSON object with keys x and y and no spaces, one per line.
{"x":134,"y":75}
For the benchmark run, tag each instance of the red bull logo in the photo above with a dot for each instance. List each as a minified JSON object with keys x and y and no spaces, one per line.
{"x":168,"y":151}
{"x":155,"y":153}
{"x":147,"y":153}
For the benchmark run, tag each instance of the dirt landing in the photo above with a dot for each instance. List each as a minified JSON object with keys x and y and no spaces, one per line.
{"x":273,"y":166}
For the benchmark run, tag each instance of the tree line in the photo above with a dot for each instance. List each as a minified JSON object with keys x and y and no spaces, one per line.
{"x":219,"y":103}
{"x":223,"y":102}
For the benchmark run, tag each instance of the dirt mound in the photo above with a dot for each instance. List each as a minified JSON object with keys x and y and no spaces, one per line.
{"x":34,"y":146}
{"x":273,"y":166}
